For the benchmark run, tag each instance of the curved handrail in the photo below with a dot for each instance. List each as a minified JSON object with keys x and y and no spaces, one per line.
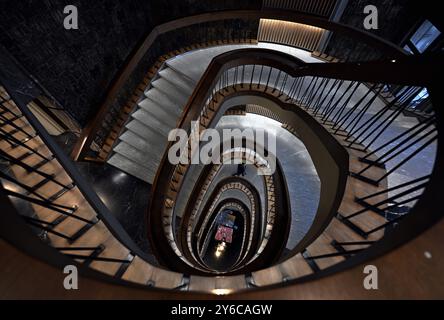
{"x":426,"y":212}
{"x":28,"y":210}
{"x":218,"y":65}
{"x":194,"y":204}
{"x":204,"y":221}
{"x":103,"y":213}
{"x":391,"y":71}
{"x":121,"y":78}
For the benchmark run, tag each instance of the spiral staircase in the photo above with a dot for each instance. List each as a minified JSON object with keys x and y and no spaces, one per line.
{"x":373,"y":154}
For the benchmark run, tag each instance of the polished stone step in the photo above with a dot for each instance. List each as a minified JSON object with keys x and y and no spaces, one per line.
{"x":121,"y":162}
{"x":169,"y":89}
{"x":151,"y":122}
{"x":145,"y":139}
{"x":153,"y":146}
{"x":163,"y":100}
{"x":138,"y":158}
{"x":142,"y":130}
{"x":159,"y":112}
{"x":181,"y":81}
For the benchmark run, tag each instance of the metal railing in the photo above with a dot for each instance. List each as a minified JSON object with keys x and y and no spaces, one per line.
{"x":350,"y":106}
{"x":310,"y":88}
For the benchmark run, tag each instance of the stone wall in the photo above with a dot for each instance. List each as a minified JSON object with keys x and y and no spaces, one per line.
{"x":77,"y":66}
{"x":396,"y":20}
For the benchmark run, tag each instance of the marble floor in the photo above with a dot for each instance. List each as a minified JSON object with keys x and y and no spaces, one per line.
{"x":126,"y":197}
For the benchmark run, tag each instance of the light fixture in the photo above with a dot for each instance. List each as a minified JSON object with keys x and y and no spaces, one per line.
{"x":221,"y":292}
{"x":220,"y":249}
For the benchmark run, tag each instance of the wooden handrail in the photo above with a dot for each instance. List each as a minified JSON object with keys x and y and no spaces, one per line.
{"x":428,"y":205}
{"x":192,"y":110}
{"x":422,"y":71}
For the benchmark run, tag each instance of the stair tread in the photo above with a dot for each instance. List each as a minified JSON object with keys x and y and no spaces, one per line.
{"x":142,"y":158}
{"x":152,"y":108}
{"x":156,"y":148}
{"x":178,"y":79}
{"x":169,"y":89}
{"x":139,"y":271}
{"x":142,"y":130}
{"x":119,"y":161}
{"x":151,"y":122}
{"x":113,"y":249}
{"x":163,"y":100}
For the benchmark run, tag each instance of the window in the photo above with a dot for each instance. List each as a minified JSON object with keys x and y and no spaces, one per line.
{"x":424,"y":94}
{"x":404,"y":94}
{"x":422,"y":38}
{"x":407,"y":48}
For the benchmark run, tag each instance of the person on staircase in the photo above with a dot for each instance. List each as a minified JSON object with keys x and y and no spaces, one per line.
{"x":241,"y":170}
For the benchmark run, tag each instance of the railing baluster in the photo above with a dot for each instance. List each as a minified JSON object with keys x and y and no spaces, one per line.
{"x":350,"y":112}
{"x":341,"y":109}
{"x":408,"y":158}
{"x":334,"y":105}
{"x":358,"y":117}
{"x":369,"y":131}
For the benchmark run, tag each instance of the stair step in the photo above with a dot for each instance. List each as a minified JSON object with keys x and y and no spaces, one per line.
{"x":152,"y":108}
{"x":179,"y":80}
{"x":151,"y":122}
{"x":15,"y":118}
{"x":94,"y":255}
{"x":60,"y":193}
{"x":38,"y":185}
{"x":121,"y":162}
{"x":143,"y":159}
{"x":162,"y":103}
{"x":58,"y":220}
{"x":25,"y":155}
{"x":41,"y":163}
{"x":171,"y":91}
{"x":22,"y":141}
{"x":142,"y":130}
{"x":352,"y":226}
{"x":163,"y":100}
{"x":151,"y":146}
{"x":81,"y":232}
{"x":13,"y":132}
{"x":124,"y":266}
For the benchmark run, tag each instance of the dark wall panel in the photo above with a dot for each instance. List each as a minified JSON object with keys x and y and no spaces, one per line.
{"x":396,"y":19}
{"x":77,"y":66}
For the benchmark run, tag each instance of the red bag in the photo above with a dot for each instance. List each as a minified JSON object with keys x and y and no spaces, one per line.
{"x":224,"y":234}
